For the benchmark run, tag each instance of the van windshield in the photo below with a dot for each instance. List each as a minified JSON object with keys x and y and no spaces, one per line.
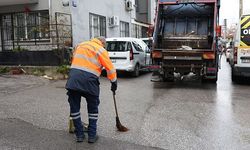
{"x":148,"y":42}
{"x":120,"y":46}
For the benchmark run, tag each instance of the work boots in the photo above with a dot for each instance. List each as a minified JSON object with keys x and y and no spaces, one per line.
{"x":92,"y":131}
{"x":93,"y":139}
{"x":80,"y":139}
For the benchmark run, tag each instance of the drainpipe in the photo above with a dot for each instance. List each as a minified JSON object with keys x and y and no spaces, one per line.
{"x":240,"y":8}
{"x":1,"y":32}
{"x":50,"y":11}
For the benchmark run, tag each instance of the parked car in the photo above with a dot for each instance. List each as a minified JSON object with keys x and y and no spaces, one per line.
{"x":128,"y":54}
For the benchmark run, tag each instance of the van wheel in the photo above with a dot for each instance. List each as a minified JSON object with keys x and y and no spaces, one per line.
{"x":136,"y":72}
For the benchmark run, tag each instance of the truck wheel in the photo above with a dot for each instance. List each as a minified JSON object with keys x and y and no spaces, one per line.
{"x":213,"y":80}
{"x":136,"y":72}
{"x":169,"y":77}
{"x":209,"y":80}
{"x":234,"y":77}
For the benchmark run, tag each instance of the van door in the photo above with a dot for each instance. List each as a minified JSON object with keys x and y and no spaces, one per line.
{"x":147,"y":57}
{"x":119,"y":52}
{"x":139,"y":54}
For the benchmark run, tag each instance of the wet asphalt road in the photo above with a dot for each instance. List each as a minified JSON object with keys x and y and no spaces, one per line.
{"x":183,"y":115}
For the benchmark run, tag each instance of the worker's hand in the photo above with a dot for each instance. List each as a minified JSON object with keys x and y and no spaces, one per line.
{"x":114,"y":86}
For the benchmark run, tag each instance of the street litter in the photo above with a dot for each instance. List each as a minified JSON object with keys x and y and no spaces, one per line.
{"x":47,"y":77}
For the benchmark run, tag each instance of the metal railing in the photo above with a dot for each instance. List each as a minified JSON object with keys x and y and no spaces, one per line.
{"x":35,"y":31}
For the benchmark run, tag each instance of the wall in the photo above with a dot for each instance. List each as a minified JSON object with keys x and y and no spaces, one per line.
{"x":105,"y":8}
{"x":56,"y":6}
{"x":152,"y":10}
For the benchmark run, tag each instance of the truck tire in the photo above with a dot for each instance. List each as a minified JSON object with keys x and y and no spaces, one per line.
{"x":169,"y":77}
{"x":213,"y":80}
{"x":234,"y":77}
{"x":209,"y":80}
{"x":136,"y":71}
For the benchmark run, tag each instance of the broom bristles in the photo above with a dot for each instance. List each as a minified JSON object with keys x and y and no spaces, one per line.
{"x":119,"y":126}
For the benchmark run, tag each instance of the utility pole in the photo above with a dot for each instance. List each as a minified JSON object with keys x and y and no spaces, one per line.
{"x":225,"y":29}
{"x":241,"y":7}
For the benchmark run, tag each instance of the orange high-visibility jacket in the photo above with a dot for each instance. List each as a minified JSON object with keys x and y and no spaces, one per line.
{"x":91,"y":57}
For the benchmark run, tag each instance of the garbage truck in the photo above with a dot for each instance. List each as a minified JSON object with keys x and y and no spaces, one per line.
{"x":185,"y":39}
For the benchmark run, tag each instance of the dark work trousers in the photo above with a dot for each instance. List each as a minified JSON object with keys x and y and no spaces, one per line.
{"x":92,"y":106}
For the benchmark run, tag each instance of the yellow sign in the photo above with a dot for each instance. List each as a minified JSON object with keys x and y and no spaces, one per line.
{"x":245,"y":31}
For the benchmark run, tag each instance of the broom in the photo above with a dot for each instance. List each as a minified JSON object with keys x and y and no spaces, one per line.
{"x":119,"y":126}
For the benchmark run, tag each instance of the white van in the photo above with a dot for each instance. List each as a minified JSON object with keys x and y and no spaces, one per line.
{"x":240,"y":61}
{"x":128,"y":54}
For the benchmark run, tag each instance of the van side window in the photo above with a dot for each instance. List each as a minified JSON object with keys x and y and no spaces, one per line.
{"x":119,"y":46}
{"x":129,"y":46}
{"x":137,"y":47}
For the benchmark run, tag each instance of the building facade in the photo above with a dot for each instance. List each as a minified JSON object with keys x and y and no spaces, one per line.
{"x":111,"y":18}
{"x":44,"y":29}
{"x":34,"y":25}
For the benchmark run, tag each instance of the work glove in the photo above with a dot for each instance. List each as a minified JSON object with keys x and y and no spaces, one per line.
{"x":114,"y":86}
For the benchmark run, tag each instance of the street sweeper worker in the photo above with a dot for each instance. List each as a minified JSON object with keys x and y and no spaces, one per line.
{"x":88,"y":60}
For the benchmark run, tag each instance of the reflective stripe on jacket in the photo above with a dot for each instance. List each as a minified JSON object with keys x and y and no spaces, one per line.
{"x":92,"y":57}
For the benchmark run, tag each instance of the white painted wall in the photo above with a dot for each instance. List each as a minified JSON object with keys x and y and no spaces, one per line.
{"x":57,"y":6}
{"x":106,"y":8}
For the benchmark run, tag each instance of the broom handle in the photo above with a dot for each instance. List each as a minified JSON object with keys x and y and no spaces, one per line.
{"x":116,"y":112}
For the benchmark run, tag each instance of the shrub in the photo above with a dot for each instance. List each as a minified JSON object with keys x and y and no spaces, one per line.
{"x":63,"y":69}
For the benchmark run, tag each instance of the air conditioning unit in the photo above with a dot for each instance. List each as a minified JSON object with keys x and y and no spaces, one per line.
{"x":65,"y":3}
{"x":114,"y":21}
{"x":128,"y":5}
{"x":74,"y":3}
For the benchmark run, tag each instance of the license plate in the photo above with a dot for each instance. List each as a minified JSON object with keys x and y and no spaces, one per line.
{"x":245,"y":60}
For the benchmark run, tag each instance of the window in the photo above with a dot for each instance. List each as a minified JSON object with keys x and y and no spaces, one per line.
{"x":32,"y":25}
{"x":144,"y":31}
{"x":139,"y":31}
{"x":137,"y":47}
{"x":97,"y":25}
{"x":124,"y":29}
{"x":136,"y":32}
{"x":120,"y":46}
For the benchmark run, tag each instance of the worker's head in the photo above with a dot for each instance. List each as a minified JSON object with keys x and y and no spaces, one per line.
{"x":103,"y":40}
